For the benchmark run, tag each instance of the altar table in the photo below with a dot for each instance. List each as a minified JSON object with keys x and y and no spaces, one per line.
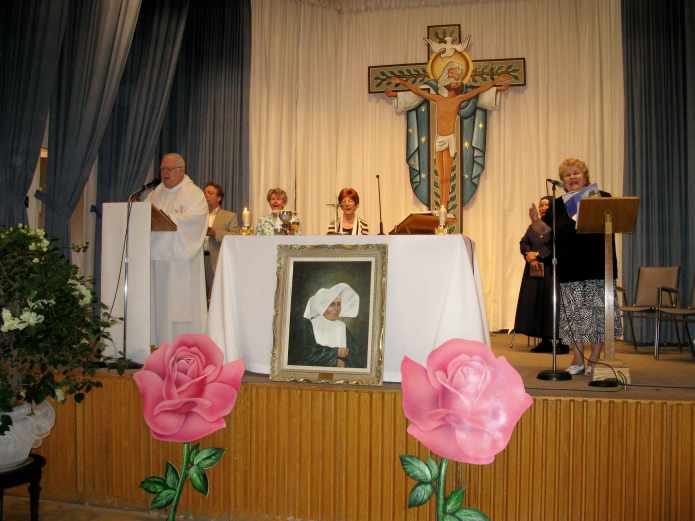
{"x":433,"y":294}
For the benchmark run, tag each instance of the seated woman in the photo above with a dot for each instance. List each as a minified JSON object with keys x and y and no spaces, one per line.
{"x":349,"y":223}
{"x":326,"y":341}
{"x":277,"y":199}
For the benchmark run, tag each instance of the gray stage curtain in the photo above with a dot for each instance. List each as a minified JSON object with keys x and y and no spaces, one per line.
{"x":132,"y":135}
{"x":31,"y":34}
{"x":659,"y":52}
{"x":96,"y":45}
{"x":207,"y":119}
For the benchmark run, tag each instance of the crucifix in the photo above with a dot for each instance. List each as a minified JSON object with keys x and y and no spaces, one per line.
{"x":446,"y":102}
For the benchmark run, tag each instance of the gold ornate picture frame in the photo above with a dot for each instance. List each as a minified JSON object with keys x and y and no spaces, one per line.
{"x":310,"y":326}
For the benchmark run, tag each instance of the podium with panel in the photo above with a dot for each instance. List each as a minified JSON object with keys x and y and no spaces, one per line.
{"x":608,"y":215}
{"x":125,"y":273}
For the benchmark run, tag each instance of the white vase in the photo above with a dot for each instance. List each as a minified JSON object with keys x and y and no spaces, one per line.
{"x":30,"y":425}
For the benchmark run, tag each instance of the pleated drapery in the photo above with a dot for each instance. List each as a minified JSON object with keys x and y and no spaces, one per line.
{"x":659,"y":44}
{"x":207,"y":118}
{"x":95,"y":49}
{"x":27,"y":77}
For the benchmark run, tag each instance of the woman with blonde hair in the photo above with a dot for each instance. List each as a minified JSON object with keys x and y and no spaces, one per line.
{"x":580,"y":268}
{"x":277,"y":200}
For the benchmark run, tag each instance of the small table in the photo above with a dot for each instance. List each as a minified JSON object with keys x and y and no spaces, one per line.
{"x":29,"y":472}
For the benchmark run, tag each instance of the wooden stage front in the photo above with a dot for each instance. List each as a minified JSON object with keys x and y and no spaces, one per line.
{"x":323,"y":453}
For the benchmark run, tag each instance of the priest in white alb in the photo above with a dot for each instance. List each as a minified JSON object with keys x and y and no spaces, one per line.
{"x":178,"y":303}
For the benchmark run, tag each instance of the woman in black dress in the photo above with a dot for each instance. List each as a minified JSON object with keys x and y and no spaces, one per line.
{"x":534,"y":310}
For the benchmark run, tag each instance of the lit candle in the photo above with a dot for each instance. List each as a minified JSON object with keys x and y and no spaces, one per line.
{"x":442,"y":216}
{"x":246,"y":218}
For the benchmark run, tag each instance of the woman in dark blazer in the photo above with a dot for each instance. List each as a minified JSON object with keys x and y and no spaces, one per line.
{"x":580,"y":270}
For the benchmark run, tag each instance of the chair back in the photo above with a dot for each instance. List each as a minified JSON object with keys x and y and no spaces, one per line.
{"x":650,"y":278}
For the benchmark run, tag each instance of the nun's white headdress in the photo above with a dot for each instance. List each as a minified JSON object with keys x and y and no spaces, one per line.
{"x":331,"y":333}
{"x":349,"y":299}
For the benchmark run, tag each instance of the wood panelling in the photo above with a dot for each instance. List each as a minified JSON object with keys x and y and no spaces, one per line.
{"x":324,"y":453}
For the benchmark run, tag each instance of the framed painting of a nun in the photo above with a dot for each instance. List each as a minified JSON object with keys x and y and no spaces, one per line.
{"x":329,"y":313}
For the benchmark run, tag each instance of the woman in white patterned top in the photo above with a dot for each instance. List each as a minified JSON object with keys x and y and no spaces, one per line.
{"x":349,"y":223}
{"x":277,"y":199}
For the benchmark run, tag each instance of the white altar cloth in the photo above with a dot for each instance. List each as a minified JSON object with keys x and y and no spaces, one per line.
{"x":432,"y":294}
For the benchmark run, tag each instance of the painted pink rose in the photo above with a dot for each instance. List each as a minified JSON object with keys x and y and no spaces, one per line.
{"x":465,"y":404}
{"x":186,"y":388}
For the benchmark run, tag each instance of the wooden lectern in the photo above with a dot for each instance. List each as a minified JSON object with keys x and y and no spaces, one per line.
{"x":608,"y":215}
{"x":419,"y":224}
{"x":125,"y":273}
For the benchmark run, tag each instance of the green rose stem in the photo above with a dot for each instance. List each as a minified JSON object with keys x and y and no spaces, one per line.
{"x":182,"y":481}
{"x":441,"y":506}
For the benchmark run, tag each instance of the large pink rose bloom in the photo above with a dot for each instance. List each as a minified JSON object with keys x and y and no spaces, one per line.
{"x":186,"y":389}
{"x":465,"y":404}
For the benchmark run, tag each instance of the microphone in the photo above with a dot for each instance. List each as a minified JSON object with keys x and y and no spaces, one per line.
{"x":555,"y":183}
{"x":152,"y":184}
{"x":381,"y":222}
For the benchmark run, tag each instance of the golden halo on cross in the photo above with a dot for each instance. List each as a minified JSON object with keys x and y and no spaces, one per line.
{"x":437,"y":65}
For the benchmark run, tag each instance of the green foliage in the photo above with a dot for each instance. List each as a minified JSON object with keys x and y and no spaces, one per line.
{"x":421,"y":494}
{"x":208,"y":458}
{"x":167,"y":489}
{"x":163,"y":499}
{"x":471,"y":514}
{"x":431,"y":477}
{"x":199,"y":480}
{"x":489,"y":71}
{"x":153,"y":484}
{"x":171,"y":475}
{"x":52,"y":330}
{"x":416,"y":469}
{"x":415,"y":74}
{"x":434,"y":468}
{"x":453,"y":501}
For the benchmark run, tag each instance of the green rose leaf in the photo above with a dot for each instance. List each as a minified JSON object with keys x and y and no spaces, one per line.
{"x":453,"y":501}
{"x":153,"y":484}
{"x":449,"y":517}
{"x":199,"y":480}
{"x":434,"y":467}
{"x":471,"y":514}
{"x":421,"y":494}
{"x":195,"y":450}
{"x":416,"y":469}
{"x":163,"y":499}
{"x":208,"y":458}
{"x":171,"y":475}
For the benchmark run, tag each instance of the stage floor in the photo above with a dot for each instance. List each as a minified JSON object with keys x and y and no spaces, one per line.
{"x":672,"y":377}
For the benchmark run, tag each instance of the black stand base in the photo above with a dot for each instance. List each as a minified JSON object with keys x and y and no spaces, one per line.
{"x":120,"y":363}
{"x":554,"y":375}
{"x":610,"y":382}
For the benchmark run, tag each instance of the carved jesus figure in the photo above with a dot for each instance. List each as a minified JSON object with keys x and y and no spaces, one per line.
{"x":452,"y":78}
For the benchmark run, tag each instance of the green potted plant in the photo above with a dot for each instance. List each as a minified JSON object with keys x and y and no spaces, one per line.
{"x":51,"y":338}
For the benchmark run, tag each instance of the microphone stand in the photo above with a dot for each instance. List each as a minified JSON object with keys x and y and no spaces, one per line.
{"x":554,"y":374}
{"x":381,"y":222}
{"x":123,"y":362}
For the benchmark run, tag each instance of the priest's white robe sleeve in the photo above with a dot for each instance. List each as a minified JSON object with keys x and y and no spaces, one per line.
{"x":178,"y":302}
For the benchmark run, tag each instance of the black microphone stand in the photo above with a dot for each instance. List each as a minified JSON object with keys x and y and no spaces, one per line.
{"x":554,"y":374}
{"x":381,"y":222}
